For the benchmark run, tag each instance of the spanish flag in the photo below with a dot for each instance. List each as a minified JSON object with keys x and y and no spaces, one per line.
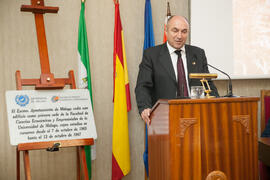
{"x":120,"y":139}
{"x":166,"y":20}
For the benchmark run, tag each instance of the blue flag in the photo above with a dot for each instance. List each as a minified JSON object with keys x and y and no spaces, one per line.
{"x":149,"y":41}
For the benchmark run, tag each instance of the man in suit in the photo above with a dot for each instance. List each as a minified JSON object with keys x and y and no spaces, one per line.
{"x":159,"y":75}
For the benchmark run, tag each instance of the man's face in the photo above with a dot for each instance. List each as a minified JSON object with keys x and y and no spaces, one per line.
{"x":177,"y":32}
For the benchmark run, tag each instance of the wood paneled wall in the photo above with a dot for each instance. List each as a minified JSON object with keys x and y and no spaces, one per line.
{"x":18,"y":51}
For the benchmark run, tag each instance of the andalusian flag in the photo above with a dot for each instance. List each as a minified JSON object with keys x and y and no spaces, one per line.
{"x":166,"y":20}
{"x":84,"y":75}
{"x":120,"y":139}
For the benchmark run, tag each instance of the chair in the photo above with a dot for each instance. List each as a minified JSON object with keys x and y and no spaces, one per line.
{"x":265,"y":108}
{"x":264,"y":145}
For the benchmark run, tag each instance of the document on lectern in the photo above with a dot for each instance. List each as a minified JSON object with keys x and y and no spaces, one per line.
{"x":49,"y":115}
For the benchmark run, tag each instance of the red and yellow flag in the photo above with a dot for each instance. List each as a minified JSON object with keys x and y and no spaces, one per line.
{"x":166,"y":20}
{"x":120,"y":139}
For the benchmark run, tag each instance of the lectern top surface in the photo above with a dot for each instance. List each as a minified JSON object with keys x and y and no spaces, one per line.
{"x":205,"y":100}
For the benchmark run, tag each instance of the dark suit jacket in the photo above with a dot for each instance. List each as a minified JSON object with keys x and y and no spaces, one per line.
{"x":157,"y":80}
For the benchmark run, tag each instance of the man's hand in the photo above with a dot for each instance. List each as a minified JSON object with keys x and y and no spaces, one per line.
{"x":145,"y":116}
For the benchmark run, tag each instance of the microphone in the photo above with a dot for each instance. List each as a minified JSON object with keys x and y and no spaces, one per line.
{"x":230,"y":90}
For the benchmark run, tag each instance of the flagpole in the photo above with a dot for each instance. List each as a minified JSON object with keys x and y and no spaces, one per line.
{"x":168,"y":9}
{"x":83,"y":1}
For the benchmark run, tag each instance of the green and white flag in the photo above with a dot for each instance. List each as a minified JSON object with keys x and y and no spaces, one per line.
{"x":84,"y":75}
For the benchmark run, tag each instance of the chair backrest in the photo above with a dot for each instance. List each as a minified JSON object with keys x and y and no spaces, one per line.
{"x":265,"y":108}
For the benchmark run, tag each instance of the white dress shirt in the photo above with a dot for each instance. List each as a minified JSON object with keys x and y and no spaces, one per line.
{"x":174,"y":58}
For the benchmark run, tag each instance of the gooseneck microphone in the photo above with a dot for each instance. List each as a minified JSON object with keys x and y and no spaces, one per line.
{"x":230,"y":91}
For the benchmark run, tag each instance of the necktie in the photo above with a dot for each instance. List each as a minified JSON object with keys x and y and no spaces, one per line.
{"x":182,"y":83}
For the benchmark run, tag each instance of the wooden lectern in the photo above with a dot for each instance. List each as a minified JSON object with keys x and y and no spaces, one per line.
{"x":204,"y":139}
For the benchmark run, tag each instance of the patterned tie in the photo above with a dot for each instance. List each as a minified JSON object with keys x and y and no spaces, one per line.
{"x":182,"y":83}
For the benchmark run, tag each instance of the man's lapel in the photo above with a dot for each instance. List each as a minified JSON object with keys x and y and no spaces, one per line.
{"x":190,"y":60}
{"x":166,"y":62}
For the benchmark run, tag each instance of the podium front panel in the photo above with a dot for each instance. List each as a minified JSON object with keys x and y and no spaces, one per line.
{"x":204,"y":138}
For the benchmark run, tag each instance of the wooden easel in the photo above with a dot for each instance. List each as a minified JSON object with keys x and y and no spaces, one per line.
{"x":46,"y":82}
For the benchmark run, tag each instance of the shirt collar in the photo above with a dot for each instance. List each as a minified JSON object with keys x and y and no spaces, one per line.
{"x":172,"y":49}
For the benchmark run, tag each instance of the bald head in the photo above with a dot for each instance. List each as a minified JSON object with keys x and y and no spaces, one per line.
{"x":177,"y":31}
{"x":182,"y":18}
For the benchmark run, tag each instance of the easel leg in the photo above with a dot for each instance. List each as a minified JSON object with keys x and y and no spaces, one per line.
{"x":83,"y":160}
{"x":78,"y":164}
{"x":27,"y":165}
{"x":18,"y":163}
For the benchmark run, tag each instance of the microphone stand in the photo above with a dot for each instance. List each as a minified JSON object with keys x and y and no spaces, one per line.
{"x":230,"y":91}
